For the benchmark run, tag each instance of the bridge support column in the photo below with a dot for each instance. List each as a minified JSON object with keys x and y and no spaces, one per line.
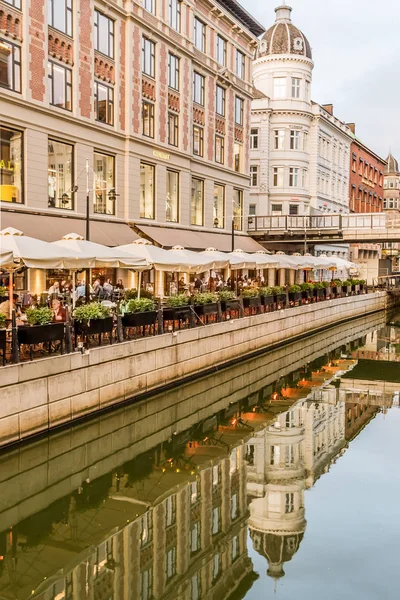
{"x":271,"y":277}
{"x":282,"y":277}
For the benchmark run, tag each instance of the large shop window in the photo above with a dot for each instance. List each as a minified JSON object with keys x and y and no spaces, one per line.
{"x":197,"y":202}
{"x":103,"y":34}
{"x":104,"y":193}
{"x":11,"y":153}
{"x":60,"y":175}
{"x":147,"y":191}
{"x":60,"y":15}
{"x":60,"y":86}
{"x":104,"y":103}
{"x":172,"y":197}
{"x":10,"y":66}
{"x":238,"y":209}
{"x":219,"y":206}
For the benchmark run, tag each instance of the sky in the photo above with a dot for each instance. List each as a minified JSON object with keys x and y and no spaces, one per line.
{"x":356,"y":53}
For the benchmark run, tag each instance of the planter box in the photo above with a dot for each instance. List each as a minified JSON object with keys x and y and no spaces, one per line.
{"x":345,"y":289}
{"x":355,"y":289}
{"x":254,"y":302}
{"x":230,"y":305}
{"x":139,"y":319}
{"x":306,"y":294}
{"x":178,"y":313}
{"x":202,"y":310}
{"x":96,"y":327}
{"x":328,"y":292}
{"x":3,"y":344}
{"x":337,"y":291}
{"x":295,"y":296}
{"x":41,"y":334}
{"x":320,"y":294}
{"x":267,"y":300}
{"x":280,"y":299}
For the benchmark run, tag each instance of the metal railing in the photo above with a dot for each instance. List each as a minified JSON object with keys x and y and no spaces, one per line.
{"x":284,"y":223}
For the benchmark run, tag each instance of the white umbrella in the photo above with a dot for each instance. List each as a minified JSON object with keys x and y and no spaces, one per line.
{"x":234,"y":262}
{"x":195,"y":262}
{"x":309,"y":262}
{"x":257,"y":260}
{"x":6,"y":258}
{"x":285,"y":262}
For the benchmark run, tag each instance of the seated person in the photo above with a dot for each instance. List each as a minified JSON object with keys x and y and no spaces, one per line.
{"x":59,"y":312}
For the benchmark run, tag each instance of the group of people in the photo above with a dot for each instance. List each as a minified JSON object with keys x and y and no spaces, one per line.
{"x":100,"y":290}
{"x":216,"y":283}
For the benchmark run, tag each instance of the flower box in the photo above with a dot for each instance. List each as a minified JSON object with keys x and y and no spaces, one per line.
{"x":202,"y":310}
{"x":267,"y":300}
{"x":230,"y":305}
{"x":139,"y":319}
{"x":178,"y":313}
{"x":41,"y":334}
{"x":319,"y":293}
{"x":295,"y":296}
{"x":355,"y":288}
{"x":95,"y":327}
{"x":280,"y":299}
{"x":252,"y":302}
{"x":306,"y":294}
{"x":3,"y":344}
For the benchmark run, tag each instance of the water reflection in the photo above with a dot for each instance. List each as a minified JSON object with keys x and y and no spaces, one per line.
{"x":113,"y":510}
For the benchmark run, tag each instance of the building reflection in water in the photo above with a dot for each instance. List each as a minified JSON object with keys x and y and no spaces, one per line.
{"x":172,"y":522}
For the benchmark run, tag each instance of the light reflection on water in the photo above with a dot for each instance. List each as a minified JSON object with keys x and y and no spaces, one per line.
{"x":289,"y":486}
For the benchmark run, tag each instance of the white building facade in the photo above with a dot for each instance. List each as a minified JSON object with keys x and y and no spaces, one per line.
{"x":300,"y":152}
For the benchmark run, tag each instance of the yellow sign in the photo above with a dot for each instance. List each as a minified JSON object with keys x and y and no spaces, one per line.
{"x":161,"y":154}
{"x":9,"y":165}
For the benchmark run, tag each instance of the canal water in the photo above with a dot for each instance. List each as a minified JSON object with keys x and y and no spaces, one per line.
{"x":276,"y":476}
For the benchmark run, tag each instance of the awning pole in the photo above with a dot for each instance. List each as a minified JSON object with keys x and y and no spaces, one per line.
{"x":73,"y":289}
{"x":139,"y":283}
{"x":11,"y":293}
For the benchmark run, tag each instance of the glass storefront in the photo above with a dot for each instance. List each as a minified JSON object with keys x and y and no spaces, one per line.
{"x":197,"y":202}
{"x":172,"y":197}
{"x":104,"y":195}
{"x":60,"y":175}
{"x":11,"y":152}
{"x":147,"y":178}
{"x":219,"y":206}
{"x":238,"y":209}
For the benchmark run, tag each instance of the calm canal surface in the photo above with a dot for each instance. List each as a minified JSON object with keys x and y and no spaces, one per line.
{"x":275,"y":475}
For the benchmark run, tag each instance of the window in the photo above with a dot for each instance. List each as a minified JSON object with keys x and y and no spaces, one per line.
{"x":148,"y":52}
{"x":289,"y":502}
{"x":237,"y":157}
{"x":216,"y":476}
{"x":234,"y":506}
{"x":240,"y":64}
{"x":219,"y":206}
{"x":220,"y":101}
{"x":238,"y":225}
{"x":293,"y":209}
{"x":104,"y":103}
{"x":10,"y":66}
{"x":279,"y":88}
{"x":195,"y":587}
{"x":238,"y":110}
{"x":253,"y":139}
{"x":295,"y":140}
{"x":149,"y":5}
{"x":147,"y":196}
{"x":146,"y":524}
{"x":172,"y":197}
{"x":216,"y":570}
{"x":305,"y":141}
{"x":198,"y":88}
{"x":221,"y":51}
{"x":252,"y":210}
{"x":148,"y":119}
{"x":16,"y":3}
{"x":289,"y":455}
{"x":235,"y":548}
{"x":194,"y":492}
{"x":146,"y":586}
{"x":278,"y":175}
{"x":197,"y":202}
{"x":199,"y":35}
{"x":216,"y":520}
{"x":60,"y":86}
{"x":103,"y":34}
{"x":60,"y":15}
{"x":173,"y":71}
{"x":253,"y":175}
{"x":173,"y":129}
{"x":11,"y":153}
{"x":104,"y":184}
{"x":60,"y":175}
{"x":275,"y":455}
{"x":198,"y":141}
{"x":170,"y":563}
{"x":293,"y":177}
{"x":279,"y":139}
{"x":276,"y":209}
{"x":304,"y":179}
{"x":296,"y":87}
{"x":175,"y":14}
{"x":195,"y":537}
{"x":219,"y":149}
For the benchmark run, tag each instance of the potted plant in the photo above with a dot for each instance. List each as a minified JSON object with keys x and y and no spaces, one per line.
{"x":346,"y":287}
{"x":327,"y":289}
{"x":279,"y":295}
{"x":138,"y":312}
{"x":251,"y":298}
{"x":336,"y":287}
{"x":363,"y":286}
{"x":205,"y":304}
{"x":3,"y":293}
{"x":267,"y":296}
{"x":132,"y":293}
{"x":177,"y":308}
{"x":228,"y":300}
{"x":306,"y":290}
{"x":40,"y":328}
{"x":355,"y":286}
{"x":319,"y":291}
{"x":93,"y":319}
{"x":294,"y":293}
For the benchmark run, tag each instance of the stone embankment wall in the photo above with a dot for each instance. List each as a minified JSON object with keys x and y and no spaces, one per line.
{"x":41,"y":395}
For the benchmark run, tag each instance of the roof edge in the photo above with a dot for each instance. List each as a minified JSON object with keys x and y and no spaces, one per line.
{"x":244,"y":17}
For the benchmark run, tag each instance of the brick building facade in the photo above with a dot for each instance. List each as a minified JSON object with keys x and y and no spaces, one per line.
{"x":144,"y":104}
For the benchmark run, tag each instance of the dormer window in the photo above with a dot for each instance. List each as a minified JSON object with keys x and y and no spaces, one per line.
{"x":298,"y":44}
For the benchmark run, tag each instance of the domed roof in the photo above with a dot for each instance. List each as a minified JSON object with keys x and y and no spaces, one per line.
{"x":277,"y":549}
{"x":284,"y":37}
{"x":392,"y":164}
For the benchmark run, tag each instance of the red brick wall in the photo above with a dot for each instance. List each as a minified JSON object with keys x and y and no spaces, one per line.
{"x":85,"y":30}
{"x":122,"y":75}
{"x":136,"y":76}
{"x":230,"y":129}
{"x":37,"y":51}
{"x":186,"y":104}
{"x":163,"y":93}
{"x":361,"y":203}
{"x":210,"y":120}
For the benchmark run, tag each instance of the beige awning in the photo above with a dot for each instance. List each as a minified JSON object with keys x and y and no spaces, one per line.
{"x":168,"y":237}
{"x":50,"y":228}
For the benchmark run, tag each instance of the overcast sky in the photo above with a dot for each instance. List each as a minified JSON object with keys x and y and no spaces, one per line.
{"x":356,"y":53}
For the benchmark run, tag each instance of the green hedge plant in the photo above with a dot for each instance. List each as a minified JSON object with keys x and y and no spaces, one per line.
{"x":277,"y":290}
{"x":266,"y":291}
{"x":205,"y":298}
{"x":294,"y":289}
{"x":326,"y":284}
{"x":91,"y":311}
{"x":250,"y":292}
{"x":306,"y":287}
{"x":318,"y":286}
{"x":177,"y":301}
{"x":137,"y":305}
{"x":2,"y":321}
{"x":39,"y":315}
{"x":226,"y":295}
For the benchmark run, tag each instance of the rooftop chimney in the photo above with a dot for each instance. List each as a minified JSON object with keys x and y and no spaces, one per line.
{"x":328,"y":108}
{"x":352,"y":127}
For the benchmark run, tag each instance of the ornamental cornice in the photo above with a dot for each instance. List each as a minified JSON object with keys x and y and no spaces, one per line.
{"x":298,"y":113}
{"x":283,"y":58}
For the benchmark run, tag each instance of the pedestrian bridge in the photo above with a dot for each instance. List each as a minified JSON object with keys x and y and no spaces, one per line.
{"x":353,"y":228}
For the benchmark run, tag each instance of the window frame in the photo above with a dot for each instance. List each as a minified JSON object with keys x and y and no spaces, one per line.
{"x":294,"y":139}
{"x":200,"y":129}
{"x":51,"y":140}
{"x":109,"y":102}
{"x":112,"y":156}
{"x":294,"y":173}
{"x":151,"y":119}
{"x":148,"y":43}
{"x":296,"y":88}
{"x":239,"y":102}
{"x":175,"y":16}
{"x":222,"y":149}
{"x":293,"y":210}
{"x":224,"y":49}
{"x":67,"y":85}
{"x":237,"y":214}
{"x":15,"y":3}
{"x":282,"y":94}
{"x":172,"y":58}
{"x":253,"y":175}
{"x":68,"y":11}
{"x":176,"y":173}
{"x":201,"y":181}
{"x":143,"y":216}
{"x":254,"y":138}
{"x":22,"y":159}
{"x":220,"y":100}
{"x":199,"y":35}
{"x":15,"y":62}
{"x":217,"y":217}
{"x":198,"y":77}
{"x":151,"y":10}
{"x":279,"y":139}
{"x":277,"y":173}
{"x":172,"y":116}
{"x":111,"y":34}
{"x":240,"y":64}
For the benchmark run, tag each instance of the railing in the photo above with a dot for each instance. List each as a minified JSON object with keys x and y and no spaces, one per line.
{"x":286,"y":223}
